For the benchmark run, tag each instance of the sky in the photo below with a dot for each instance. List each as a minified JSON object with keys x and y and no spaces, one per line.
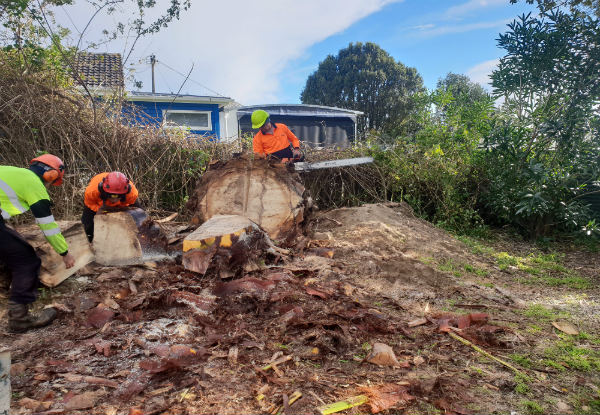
{"x":262,"y":51}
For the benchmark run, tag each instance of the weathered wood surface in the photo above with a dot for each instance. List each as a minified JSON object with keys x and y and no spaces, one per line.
{"x":227,"y":242}
{"x":265,"y":191}
{"x":53,"y":270}
{"x":115,"y":239}
{"x":5,"y":392}
{"x":127,"y":237}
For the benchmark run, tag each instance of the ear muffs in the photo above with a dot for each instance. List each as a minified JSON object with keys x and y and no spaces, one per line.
{"x":50,"y":176}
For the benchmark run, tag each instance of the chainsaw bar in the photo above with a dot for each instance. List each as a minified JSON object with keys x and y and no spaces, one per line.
{"x":303,"y":166}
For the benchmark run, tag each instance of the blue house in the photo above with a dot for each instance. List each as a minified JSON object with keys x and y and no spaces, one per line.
{"x":211,"y":116}
{"x":201,"y":115}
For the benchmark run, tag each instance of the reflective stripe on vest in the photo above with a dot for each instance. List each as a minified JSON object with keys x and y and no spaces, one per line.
{"x":12,"y":198}
{"x":45,"y":220}
{"x":51,"y":231}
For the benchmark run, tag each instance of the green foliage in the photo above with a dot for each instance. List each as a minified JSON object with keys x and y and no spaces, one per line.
{"x":366,"y":78}
{"x":542,"y":150}
{"x":575,"y":6}
{"x":465,"y":95}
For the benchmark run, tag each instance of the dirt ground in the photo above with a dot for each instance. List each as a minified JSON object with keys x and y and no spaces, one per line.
{"x":158,"y":339}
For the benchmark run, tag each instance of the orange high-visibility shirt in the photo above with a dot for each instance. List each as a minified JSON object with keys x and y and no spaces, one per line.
{"x":92,"y":198}
{"x":280,"y":139}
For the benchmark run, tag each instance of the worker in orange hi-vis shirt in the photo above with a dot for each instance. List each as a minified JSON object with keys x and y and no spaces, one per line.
{"x":109,"y":190}
{"x":274,"y":139}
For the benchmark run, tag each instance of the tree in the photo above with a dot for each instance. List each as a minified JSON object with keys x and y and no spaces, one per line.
{"x":462,"y":89}
{"x":574,"y":6}
{"x":543,"y":150}
{"x":366,"y":78}
{"x":29,"y":23}
{"x":549,"y":77}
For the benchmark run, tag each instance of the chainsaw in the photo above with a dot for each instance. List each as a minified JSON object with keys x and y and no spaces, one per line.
{"x":304,"y":166}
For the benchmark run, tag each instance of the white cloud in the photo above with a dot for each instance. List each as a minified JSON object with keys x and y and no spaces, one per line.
{"x":471,"y":6}
{"x":461,"y":28}
{"x":424,"y":26}
{"x":481,"y":72}
{"x":239,"y":48}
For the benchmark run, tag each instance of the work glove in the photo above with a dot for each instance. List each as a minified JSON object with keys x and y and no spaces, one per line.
{"x":297,"y":153}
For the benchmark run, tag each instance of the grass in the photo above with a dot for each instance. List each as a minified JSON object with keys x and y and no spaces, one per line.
{"x":480,"y":272}
{"x":534,"y":329}
{"x":521,"y":360}
{"x":541,"y":313}
{"x":475,"y":245}
{"x":544,"y":269}
{"x":449,"y":265}
{"x":541,"y":268}
{"x":532,"y":407}
{"x":567,"y":354}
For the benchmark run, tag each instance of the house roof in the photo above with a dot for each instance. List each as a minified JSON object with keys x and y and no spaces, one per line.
{"x":165,"y":97}
{"x":300,"y":110}
{"x":100,"y":70}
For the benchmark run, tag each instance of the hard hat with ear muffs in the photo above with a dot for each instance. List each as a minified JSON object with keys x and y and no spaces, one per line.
{"x":54,"y":168}
{"x":116,"y":183}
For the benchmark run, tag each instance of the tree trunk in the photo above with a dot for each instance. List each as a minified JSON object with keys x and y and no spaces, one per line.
{"x":264,"y":191}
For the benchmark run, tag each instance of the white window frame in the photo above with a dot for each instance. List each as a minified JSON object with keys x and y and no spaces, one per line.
{"x":186,"y":127}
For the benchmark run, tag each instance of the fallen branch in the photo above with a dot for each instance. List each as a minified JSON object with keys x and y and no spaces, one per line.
{"x":167,"y":219}
{"x":486,"y":354}
{"x":276,"y":362}
{"x":93,"y":380}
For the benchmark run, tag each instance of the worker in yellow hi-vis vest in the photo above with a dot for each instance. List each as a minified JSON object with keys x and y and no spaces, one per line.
{"x":22,"y":190}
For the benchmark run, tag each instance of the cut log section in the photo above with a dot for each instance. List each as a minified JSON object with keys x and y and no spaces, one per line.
{"x":127,"y":237}
{"x":53,"y":270}
{"x":227,"y":242}
{"x":264,"y":191}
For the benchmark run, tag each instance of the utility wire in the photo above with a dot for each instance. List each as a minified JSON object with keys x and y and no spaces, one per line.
{"x":71,"y":20}
{"x":187,"y":77}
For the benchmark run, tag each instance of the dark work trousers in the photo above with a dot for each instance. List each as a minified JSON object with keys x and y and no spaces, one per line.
{"x":87,"y":218}
{"x":22,"y":263}
{"x":285,"y":153}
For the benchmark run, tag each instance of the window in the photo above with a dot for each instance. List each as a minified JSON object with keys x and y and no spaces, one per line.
{"x":194,"y":120}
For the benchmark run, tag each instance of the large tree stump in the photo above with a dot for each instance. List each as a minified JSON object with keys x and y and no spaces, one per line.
{"x":53,"y":270}
{"x":265,"y":191}
{"x":127,"y":237}
{"x":227,"y":242}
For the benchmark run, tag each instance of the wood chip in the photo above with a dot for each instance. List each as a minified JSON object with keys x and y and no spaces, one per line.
{"x":566,"y":327}
{"x":417,"y":322}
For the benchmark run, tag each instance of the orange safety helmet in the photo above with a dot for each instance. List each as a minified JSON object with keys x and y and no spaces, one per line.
{"x":116,"y":182}
{"x":53,"y":166}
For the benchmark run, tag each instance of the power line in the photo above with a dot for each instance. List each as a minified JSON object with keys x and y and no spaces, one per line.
{"x":196,"y":82}
{"x":71,"y":20}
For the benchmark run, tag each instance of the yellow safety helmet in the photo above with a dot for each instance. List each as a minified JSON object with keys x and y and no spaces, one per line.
{"x":258,"y":118}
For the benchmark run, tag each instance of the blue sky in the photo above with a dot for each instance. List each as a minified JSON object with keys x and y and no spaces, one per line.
{"x":262,"y":51}
{"x":433,"y":36}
